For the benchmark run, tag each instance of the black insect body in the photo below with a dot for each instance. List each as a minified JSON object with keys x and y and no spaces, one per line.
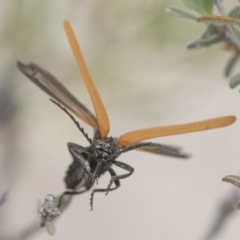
{"x":76,"y":175}
{"x":89,"y":163}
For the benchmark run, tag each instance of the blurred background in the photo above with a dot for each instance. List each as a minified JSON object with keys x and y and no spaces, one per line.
{"x":136,"y":54}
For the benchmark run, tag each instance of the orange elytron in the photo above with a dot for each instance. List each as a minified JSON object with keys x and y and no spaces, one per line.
{"x":91,"y":162}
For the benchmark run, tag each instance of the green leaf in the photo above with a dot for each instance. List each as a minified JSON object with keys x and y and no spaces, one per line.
{"x":235,"y":12}
{"x":235,"y":180}
{"x":204,"y":42}
{"x":200,"y":6}
{"x":234,"y":81}
{"x":208,"y":5}
{"x":230,"y":64}
{"x":209,"y":31}
{"x":210,"y":36}
{"x":182,"y":13}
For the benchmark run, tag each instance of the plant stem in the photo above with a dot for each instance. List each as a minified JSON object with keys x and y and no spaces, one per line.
{"x":229,"y":31}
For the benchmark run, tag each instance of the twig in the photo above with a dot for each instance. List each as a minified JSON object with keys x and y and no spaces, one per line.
{"x":225,"y":209}
{"x":229,"y":31}
{"x":3,"y":196}
{"x":221,"y":8}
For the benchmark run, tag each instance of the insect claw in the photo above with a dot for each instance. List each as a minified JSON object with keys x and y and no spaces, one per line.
{"x":91,"y":207}
{"x":91,"y":201}
{"x":108,"y":188}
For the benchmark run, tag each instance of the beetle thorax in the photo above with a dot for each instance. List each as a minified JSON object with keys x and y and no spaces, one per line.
{"x":105,"y":149}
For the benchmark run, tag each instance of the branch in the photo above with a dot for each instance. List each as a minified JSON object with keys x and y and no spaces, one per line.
{"x":229,"y":31}
{"x":224,"y":210}
{"x":3,"y":196}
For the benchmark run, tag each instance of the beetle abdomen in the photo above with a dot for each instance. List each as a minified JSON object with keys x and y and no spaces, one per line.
{"x":71,"y":179}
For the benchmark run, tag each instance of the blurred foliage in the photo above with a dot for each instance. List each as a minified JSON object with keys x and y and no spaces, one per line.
{"x":200,"y":6}
{"x":219,"y":29}
{"x":235,"y":180}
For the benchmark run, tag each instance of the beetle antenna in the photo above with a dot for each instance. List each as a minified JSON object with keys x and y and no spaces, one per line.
{"x":150,"y":144}
{"x":75,"y":121}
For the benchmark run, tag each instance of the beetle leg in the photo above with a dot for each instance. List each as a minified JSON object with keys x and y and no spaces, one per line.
{"x":69,"y":193}
{"x":114,"y":178}
{"x":76,"y":151}
{"x":116,"y":182}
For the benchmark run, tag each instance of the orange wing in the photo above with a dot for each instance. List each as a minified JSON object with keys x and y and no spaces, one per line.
{"x":133,"y":137}
{"x":101,"y":114}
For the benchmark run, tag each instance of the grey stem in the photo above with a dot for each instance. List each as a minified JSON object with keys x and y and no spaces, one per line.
{"x":223,"y":211}
{"x":229,"y":33}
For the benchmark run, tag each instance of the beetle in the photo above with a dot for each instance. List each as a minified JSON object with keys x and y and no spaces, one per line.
{"x":91,"y":162}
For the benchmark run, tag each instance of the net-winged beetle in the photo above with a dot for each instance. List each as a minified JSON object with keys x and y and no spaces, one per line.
{"x":90,"y":162}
